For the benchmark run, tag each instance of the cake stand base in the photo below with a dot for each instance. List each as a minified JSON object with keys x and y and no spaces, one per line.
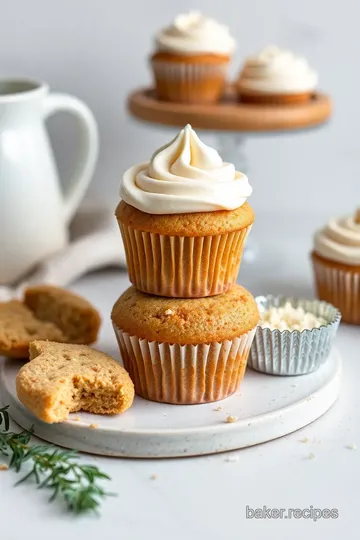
{"x":266,"y":408}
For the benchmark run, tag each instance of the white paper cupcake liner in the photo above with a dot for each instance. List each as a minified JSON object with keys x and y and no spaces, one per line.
{"x":175,"y":71}
{"x":278,"y":352}
{"x":185,"y":267}
{"x":184,"y":374}
{"x":339,"y":287}
{"x":189,"y":83}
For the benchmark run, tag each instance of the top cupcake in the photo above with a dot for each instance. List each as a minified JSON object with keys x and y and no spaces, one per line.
{"x":184,"y":176}
{"x":276,"y":71}
{"x":193,"y":33}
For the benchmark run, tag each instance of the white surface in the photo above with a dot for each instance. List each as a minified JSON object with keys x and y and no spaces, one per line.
{"x":29,"y":181}
{"x":204,"y":498}
{"x":156,"y":430}
{"x":99,"y":50}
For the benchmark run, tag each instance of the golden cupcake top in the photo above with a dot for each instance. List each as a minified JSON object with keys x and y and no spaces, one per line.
{"x":184,"y":176}
{"x":197,"y":224}
{"x":186,"y":321}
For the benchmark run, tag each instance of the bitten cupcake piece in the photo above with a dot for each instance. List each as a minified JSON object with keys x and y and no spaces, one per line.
{"x":63,"y":378}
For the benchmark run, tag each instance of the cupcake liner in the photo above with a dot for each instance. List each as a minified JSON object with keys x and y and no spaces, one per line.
{"x":278,"y":352}
{"x":184,"y":374}
{"x":339,"y":287}
{"x":181,"y":266}
{"x":189,"y":83}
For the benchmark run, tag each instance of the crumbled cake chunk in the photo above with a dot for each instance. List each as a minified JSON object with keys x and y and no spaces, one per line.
{"x":76,"y":317}
{"x":47,"y":313}
{"x":19,"y":326}
{"x":231,"y":419}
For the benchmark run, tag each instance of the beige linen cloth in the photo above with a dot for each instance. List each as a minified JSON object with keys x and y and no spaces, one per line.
{"x":95,"y":243}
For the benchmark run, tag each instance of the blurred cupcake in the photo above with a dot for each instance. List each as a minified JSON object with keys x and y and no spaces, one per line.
{"x":191,"y":59}
{"x":276,"y":76}
{"x":184,"y":220}
{"x":185,"y":351}
{"x":336,"y":261}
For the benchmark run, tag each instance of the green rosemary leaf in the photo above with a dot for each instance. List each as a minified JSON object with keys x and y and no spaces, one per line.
{"x":53,"y":469}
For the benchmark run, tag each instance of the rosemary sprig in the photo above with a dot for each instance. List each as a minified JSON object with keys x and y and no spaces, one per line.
{"x":53,"y":468}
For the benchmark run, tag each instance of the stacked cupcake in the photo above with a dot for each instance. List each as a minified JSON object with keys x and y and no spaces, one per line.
{"x":185,"y":329}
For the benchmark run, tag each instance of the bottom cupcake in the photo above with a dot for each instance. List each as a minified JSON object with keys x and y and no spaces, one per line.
{"x":185,"y":351}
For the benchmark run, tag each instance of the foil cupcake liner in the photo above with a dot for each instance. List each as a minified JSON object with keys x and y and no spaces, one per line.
{"x":185,"y":82}
{"x":181,"y":266}
{"x":339,"y":287}
{"x":184,"y":374}
{"x":293,"y":352}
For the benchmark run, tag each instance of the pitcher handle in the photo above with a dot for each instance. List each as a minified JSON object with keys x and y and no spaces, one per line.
{"x":89,"y":147}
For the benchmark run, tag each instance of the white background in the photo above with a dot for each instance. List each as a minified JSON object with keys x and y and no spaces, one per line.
{"x":98,"y":50}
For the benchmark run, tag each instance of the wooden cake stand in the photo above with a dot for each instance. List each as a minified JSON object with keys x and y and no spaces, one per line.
{"x":229,"y":114}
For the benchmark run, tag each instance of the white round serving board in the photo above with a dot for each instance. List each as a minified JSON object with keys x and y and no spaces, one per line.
{"x":266,"y":407}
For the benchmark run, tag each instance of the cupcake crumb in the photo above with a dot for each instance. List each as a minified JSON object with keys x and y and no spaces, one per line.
{"x":311,"y":456}
{"x":75,"y":418}
{"x":231,"y":419}
{"x":218,"y":409}
{"x":153,"y":476}
{"x":3,"y":467}
{"x":232,"y":458}
{"x":351,"y":446}
{"x":93,"y":426}
{"x":304,"y":440}
{"x":169,"y":312}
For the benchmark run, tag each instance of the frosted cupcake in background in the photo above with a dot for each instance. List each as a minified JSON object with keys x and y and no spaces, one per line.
{"x":191,"y":59}
{"x":184,"y":220}
{"x":276,"y":76}
{"x":336,"y":261}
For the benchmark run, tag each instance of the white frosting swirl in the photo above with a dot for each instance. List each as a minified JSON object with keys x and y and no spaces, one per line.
{"x":276,"y":70}
{"x":193,"y":33}
{"x":184,"y":176}
{"x":339,"y":241}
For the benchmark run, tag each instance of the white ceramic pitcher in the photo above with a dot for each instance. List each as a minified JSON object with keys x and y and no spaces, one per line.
{"x":34,"y":209}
